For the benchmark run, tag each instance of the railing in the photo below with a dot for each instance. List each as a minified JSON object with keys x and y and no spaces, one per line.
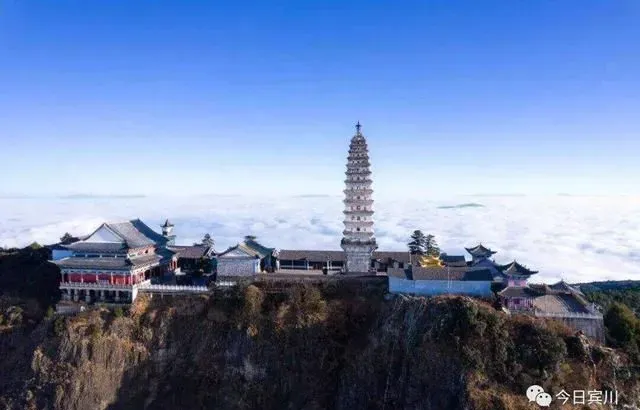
{"x":173,"y":289}
{"x":569,"y":315}
{"x":94,"y":285}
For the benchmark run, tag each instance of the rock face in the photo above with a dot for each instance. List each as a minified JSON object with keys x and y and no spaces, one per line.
{"x":310,"y":349}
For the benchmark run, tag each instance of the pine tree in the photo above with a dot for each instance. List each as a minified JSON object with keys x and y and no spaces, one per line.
{"x":207,"y":240}
{"x":417,"y":244}
{"x":431,"y":247}
{"x":67,"y":238}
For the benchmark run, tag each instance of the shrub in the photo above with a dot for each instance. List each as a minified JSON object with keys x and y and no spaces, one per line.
{"x":118,"y":312}
{"x":59,"y":326}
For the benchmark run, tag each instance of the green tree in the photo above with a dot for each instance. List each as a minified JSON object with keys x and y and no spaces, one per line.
{"x":67,"y":238}
{"x":431,"y":246}
{"x":417,"y":243}
{"x":623,"y":327}
{"x":208,"y":240}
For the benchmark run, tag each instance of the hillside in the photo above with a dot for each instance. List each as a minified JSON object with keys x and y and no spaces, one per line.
{"x":309,"y":349}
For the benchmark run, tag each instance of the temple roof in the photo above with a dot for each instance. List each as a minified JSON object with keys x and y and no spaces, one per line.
{"x":453,"y":260}
{"x":560,"y":303}
{"x":191,"y":252}
{"x":118,"y":238}
{"x":480,"y":250}
{"x":403,"y":257}
{"x":107,"y":262}
{"x":520,"y":292}
{"x":311,"y":255}
{"x":516,"y":269}
{"x":337,"y":256}
{"x":565,"y":287}
{"x":238,"y":252}
{"x":97,"y":247}
{"x":258,"y":249}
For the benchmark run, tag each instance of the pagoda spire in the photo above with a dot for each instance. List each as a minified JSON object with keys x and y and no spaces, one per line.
{"x":358,"y":241}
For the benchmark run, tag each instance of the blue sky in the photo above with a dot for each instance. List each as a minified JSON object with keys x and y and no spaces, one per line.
{"x":456,"y":97}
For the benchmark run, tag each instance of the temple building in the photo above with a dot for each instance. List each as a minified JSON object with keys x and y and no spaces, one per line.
{"x":196,"y":257}
{"x":358,"y":241}
{"x":111,"y":263}
{"x":247,"y":258}
{"x":333,"y":262}
{"x":479,"y":253}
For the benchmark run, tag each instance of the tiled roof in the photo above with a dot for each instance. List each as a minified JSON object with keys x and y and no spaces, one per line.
{"x":313,"y":255}
{"x":132,"y":234}
{"x":453,"y":260}
{"x":250,"y":254}
{"x":191,"y":252}
{"x":97,"y":247}
{"x":559,"y":303}
{"x":514,"y":268}
{"x":520,"y":292}
{"x":257,"y":247}
{"x":565,"y":287}
{"x":396,"y":256}
{"x":136,"y":233}
{"x":107,"y":262}
{"x":480,"y":250}
{"x":286,"y":254}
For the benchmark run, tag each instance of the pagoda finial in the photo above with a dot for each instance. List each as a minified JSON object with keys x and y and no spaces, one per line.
{"x":358,"y":126}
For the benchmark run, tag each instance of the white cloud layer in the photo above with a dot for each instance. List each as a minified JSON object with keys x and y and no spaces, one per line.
{"x":576,"y":238}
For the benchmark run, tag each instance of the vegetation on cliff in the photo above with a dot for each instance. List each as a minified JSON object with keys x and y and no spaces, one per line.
{"x":312,"y":348}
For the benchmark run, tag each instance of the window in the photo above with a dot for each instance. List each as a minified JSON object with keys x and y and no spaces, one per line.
{"x":358,"y":229}
{"x":358,"y":218}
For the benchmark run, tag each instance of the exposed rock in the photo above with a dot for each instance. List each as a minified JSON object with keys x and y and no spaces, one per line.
{"x":304,"y":351}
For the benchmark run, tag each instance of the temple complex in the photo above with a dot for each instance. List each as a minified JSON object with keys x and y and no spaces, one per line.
{"x":358,"y":241}
{"x":111,"y":263}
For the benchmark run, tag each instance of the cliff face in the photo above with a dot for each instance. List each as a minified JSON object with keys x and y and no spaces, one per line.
{"x":306,"y":350}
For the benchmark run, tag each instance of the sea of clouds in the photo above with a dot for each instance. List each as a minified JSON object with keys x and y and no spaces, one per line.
{"x":578,"y":239}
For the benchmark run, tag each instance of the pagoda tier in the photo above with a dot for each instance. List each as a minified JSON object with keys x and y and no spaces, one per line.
{"x":358,"y":240}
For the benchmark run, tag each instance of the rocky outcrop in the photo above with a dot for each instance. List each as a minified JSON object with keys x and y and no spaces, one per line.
{"x":305,"y":350}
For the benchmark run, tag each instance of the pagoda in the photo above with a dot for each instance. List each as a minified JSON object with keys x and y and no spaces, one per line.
{"x":480,"y":253}
{"x":358,"y":241}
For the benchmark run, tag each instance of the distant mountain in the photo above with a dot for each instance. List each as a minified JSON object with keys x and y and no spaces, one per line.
{"x":462,"y":206}
{"x":91,"y":196}
{"x":609,"y":285}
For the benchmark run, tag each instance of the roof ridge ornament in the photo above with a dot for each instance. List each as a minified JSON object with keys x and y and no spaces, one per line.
{"x":358,"y":127}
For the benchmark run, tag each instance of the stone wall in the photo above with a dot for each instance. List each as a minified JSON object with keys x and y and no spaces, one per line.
{"x":592,"y":327}
{"x":242,"y":267}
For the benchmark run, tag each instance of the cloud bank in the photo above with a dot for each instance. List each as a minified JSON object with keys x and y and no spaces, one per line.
{"x":575,"y":238}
